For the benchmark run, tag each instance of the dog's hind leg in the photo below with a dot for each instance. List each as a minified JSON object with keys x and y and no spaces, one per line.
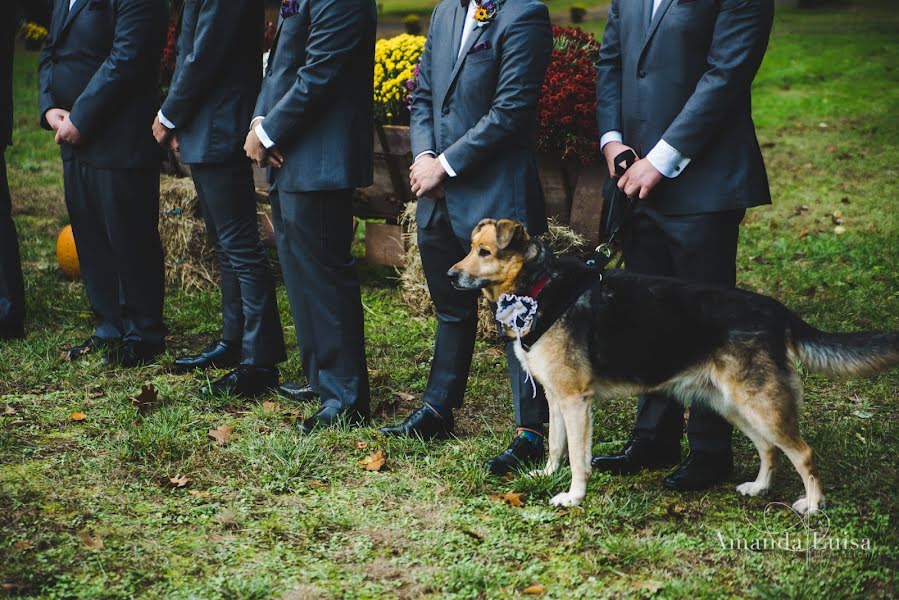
{"x":558,"y":440}
{"x":578,"y":417}
{"x":767,"y":457}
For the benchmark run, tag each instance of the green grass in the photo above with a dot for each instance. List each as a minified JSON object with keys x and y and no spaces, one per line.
{"x":280,"y":515}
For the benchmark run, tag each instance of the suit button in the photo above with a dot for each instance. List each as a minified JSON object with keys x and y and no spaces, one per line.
{"x":444,"y":112}
{"x":642,"y":74}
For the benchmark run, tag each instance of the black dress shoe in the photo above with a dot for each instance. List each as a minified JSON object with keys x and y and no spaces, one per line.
{"x":423,"y":423}
{"x":246,"y":381}
{"x":94,"y":344}
{"x":329,"y":416}
{"x":218,"y":355}
{"x":520,"y":453}
{"x":638,"y":454}
{"x":700,"y":471}
{"x":297,"y":392}
{"x":133,"y":354}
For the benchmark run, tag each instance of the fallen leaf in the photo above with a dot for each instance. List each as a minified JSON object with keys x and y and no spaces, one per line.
{"x":361,"y":445}
{"x":405,"y":396}
{"x":272,"y":407}
{"x":94,"y":542}
{"x":9,"y":410}
{"x":147,"y":400}
{"x":374,"y":461}
{"x":535,"y":589}
{"x":651,"y":586}
{"x":839,"y":230}
{"x":862,"y":414}
{"x":803,"y":233}
{"x":96,"y":392}
{"x":222,"y":435}
{"x":510,"y":498}
{"x":22,"y":545}
{"x":832,"y":148}
{"x":180,"y":481}
{"x":472,"y":534}
{"x":199,"y":494}
{"x":78,"y":416}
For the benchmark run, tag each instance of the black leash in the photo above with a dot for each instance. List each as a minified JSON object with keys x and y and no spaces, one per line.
{"x":602,"y":254}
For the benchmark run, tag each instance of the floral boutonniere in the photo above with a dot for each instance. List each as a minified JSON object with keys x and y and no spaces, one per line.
{"x":289,"y":8}
{"x":485,"y":12}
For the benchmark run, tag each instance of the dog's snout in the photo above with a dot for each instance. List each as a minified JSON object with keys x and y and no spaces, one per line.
{"x":453,"y":275}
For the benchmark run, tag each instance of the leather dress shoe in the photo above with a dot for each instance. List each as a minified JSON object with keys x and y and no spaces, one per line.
{"x":638,"y":454}
{"x":700,"y":471}
{"x":218,"y":355}
{"x":520,"y":453}
{"x":246,"y":381}
{"x":94,"y":344}
{"x":329,"y":416}
{"x":297,"y":392}
{"x":133,"y":354}
{"x":423,"y":423}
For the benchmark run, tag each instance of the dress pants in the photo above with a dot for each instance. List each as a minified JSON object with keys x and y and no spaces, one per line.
{"x":457,"y":323}
{"x":12,"y":286}
{"x":249,"y":303}
{"x":314,"y":233}
{"x":701,"y":248}
{"x":115,"y":220}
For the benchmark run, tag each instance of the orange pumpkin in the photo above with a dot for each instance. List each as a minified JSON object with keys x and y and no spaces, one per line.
{"x":67,"y":254}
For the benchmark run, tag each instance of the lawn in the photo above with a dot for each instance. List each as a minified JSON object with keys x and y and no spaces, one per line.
{"x":87,"y":508}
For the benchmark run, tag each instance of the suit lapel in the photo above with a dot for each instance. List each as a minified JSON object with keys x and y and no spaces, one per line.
{"x":458,"y":21}
{"x":469,"y":43}
{"x":73,"y":12}
{"x":60,"y":13}
{"x":654,"y":24}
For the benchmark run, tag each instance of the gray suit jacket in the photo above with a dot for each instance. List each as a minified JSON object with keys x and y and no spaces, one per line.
{"x":685,"y":77}
{"x":317,"y":96}
{"x":217,"y":78}
{"x":481,"y":112}
{"x":101,"y":62}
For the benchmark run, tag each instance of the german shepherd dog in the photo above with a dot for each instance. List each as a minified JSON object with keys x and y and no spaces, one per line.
{"x":627,"y":334}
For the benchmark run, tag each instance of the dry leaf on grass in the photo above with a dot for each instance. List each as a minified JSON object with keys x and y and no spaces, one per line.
{"x":271,"y":407}
{"x":510,"y":498}
{"x":535,"y":589}
{"x":199,"y":494}
{"x":23,"y":545}
{"x":361,"y":445}
{"x":78,"y":416}
{"x":650,"y":586}
{"x":9,"y":410}
{"x":96,"y":392}
{"x":374,"y":461}
{"x":147,"y":400}
{"x":94,"y":542}
{"x":180,"y":481}
{"x":222,"y":435}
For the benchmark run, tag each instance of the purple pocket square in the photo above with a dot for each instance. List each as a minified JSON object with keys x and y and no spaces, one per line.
{"x":289,"y":8}
{"x":480,"y":47}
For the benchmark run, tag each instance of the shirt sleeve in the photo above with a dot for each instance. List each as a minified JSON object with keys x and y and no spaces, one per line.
{"x":667,"y":159}
{"x":446,"y":166}
{"x":168,"y":124}
{"x":611,"y":136}
{"x":263,"y":137}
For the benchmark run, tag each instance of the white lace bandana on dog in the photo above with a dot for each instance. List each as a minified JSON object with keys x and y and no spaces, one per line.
{"x":518,"y":313}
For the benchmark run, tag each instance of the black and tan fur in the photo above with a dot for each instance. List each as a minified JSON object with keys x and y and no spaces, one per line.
{"x":731,"y":349}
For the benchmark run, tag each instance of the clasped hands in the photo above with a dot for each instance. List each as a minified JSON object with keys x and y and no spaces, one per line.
{"x":165,"y":136}
{"x":66,"y":132}
{"x":426,"y":176}
{"x":258,"y":153}
{"x":639,"y":180}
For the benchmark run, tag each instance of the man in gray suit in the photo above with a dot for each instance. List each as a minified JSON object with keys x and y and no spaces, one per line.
{"x":674,"y":79}
{"x":12,"y":287}
{"x":313,"y":126}
{"x":211,"y":99}
{"x":99,"y":88}
{"x":473,"y":127}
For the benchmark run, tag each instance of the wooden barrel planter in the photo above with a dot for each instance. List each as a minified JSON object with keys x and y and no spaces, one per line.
{"x":573,"y":194}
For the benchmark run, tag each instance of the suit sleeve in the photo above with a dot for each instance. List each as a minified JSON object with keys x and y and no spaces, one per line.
{"x":738,"y":46}
{"x":136,"y":46}
{"x":608,"y":76}
{"x":334,"y":38}
{"x":217,"y":26}
{"x":526,"y":51}
{"x":45,"y":75}
{"x":421,"y":120}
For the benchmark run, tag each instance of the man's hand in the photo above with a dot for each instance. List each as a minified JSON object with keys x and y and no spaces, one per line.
{"x":55,"y":117}
{"x":173,"y":142}
{"x":640,"y":179}
{"x":258,"y":153}
{"x":162,"y":133}
{"x":67,"y":133}
{"x":426,"y":175}
{"x":610,"y":151}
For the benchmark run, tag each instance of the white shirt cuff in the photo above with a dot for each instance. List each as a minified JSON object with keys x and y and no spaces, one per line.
{"x":420,"y":154}
{"x":667,"y":159}
{"x":168,"y":124}
{"x":446,"y":166}
{"x":610,"y":136}
{"x":263,"y":137}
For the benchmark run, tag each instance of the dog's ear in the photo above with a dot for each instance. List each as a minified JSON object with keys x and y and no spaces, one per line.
{"x":508,"y":231}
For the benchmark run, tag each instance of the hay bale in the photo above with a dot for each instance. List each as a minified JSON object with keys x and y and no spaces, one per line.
{"x":190,"y":260}
{"x":414,"y":288}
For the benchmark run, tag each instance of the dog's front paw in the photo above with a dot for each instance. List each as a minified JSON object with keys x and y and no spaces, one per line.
{"x":566,"y":499}
{"x":803,"y":507}
{"x":752,"y":488}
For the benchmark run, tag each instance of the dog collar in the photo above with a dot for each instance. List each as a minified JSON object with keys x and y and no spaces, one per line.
{"x":538,"y":287}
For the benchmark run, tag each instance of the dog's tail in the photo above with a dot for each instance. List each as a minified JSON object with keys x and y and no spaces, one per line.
{"x":844,"y":354}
